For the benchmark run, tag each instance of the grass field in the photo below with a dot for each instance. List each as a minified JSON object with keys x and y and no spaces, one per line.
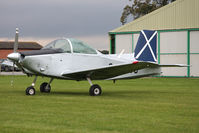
{"x":149,"y":105}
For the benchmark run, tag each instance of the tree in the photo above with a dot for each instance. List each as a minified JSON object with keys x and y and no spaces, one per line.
{"x":141,"y":7}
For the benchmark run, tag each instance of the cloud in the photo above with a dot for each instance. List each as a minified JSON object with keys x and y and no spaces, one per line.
{"x":85,"y":19}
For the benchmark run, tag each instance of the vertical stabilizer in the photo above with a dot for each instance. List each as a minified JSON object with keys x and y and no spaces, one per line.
{"x":146,"y":46}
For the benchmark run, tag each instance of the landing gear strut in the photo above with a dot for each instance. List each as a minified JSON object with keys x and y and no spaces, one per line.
{"x":95,"y":90}
{"x":31,"y":90}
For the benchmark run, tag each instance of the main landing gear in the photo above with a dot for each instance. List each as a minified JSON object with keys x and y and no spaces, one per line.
{"x":95,"y":90}
{"x":44,"y":87}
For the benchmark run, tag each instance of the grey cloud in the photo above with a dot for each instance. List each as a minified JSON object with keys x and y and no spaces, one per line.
{"x":88,"y":20}
{"x":49,"y":18}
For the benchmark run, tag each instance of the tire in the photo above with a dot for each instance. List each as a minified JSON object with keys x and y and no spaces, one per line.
{"x":6,"y":69}
{"x":30,"y":91}
{"x":44,"y":89}
{"x":95,"y":90}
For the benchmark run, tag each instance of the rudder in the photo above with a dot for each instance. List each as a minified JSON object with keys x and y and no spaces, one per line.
{"x":146,"y":48}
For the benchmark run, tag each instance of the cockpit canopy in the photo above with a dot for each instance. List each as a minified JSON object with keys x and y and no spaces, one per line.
{"x":70,"y":46}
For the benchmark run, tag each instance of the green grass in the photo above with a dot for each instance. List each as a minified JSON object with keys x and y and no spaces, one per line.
{"x":149,"y":105}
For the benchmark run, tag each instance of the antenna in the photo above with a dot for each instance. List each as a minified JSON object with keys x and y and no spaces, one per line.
{"x":121,"y":53}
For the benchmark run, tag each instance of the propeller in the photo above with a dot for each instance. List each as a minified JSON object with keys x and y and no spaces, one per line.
{"x":14,"y":52}
{"x":14,"y":57}
{"x":16,"y":40}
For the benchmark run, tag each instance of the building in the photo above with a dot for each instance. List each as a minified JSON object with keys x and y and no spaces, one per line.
{"x":7,"y":47}
{"x":178,"y":36}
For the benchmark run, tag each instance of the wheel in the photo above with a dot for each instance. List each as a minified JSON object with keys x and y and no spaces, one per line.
{"x":95,"y":90}
{"x":43,"y":87}
{"x":7,"y":69}
{"x":30,"y":90}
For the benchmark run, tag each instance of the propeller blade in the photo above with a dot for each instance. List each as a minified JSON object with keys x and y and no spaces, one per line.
{"x":16,"y":40}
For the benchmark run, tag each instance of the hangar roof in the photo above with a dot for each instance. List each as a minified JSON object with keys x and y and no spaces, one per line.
{"x":181,"y":14}
{"x":21,"y":45}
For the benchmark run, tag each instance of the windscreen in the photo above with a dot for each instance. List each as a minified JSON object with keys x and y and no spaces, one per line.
{"x":81,"y":47}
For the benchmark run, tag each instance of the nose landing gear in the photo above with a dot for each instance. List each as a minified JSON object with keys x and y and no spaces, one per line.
{"x":31,"y":90}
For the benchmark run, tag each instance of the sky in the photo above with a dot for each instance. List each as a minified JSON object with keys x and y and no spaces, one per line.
{"x":46,"y":20}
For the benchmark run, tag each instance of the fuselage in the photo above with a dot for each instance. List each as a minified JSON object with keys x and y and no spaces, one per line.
{"x":54,"y":65}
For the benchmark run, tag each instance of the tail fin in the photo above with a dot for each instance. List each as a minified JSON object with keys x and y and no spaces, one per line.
{"x":146,"y":46}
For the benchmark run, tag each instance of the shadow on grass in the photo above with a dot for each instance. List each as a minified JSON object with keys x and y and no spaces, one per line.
{"x":127,"y":94}
{"x":140,"y":94}
{"x":105,"y":94}
{"x":70,"y":93}
{"x":118,"y":94}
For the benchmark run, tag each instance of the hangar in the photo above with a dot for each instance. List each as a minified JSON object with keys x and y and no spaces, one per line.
{"x":6,"y":47}
{"x":178,"y":36}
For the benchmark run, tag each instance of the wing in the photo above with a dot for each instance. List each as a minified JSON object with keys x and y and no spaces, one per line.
{"x":109,"y":71}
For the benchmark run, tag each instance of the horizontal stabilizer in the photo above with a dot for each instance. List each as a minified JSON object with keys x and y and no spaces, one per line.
{"x":173,"y":65}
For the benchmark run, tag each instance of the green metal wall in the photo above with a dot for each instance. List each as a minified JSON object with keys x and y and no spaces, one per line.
{"x":187,"y":53}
